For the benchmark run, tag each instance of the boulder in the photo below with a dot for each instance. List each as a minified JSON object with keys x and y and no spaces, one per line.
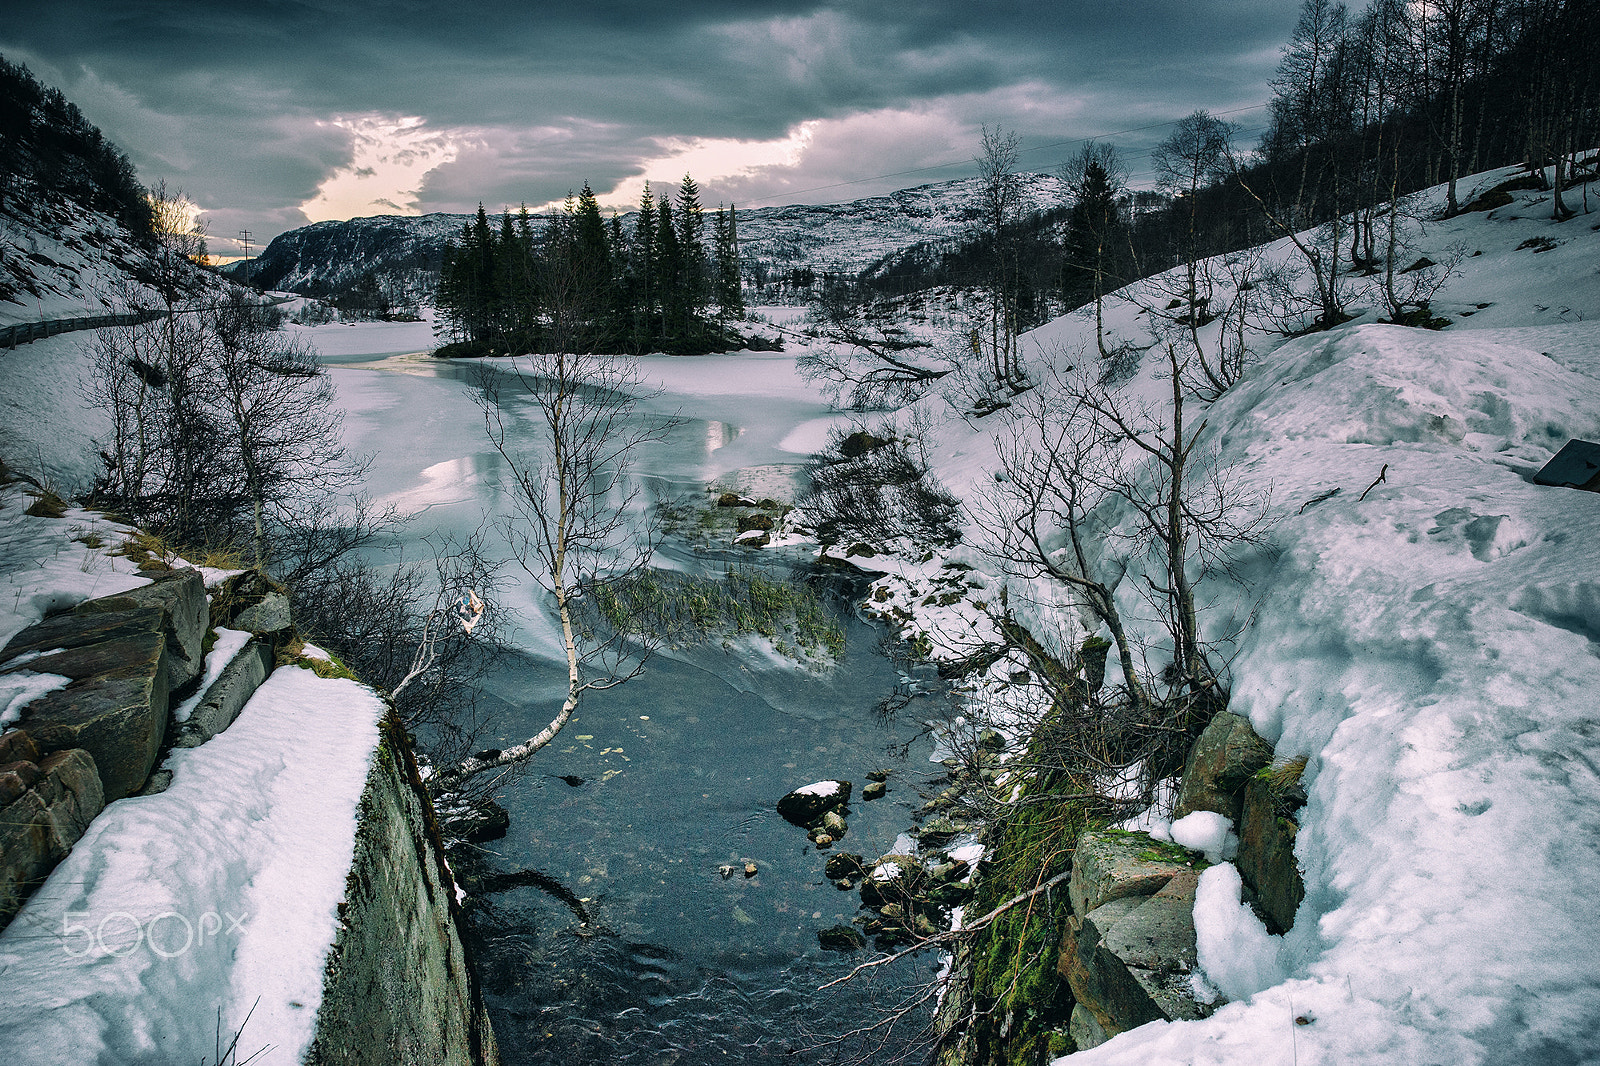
{"x":834,"y":825}
{"x":840,"y":938}
{"x":39,"y":828}
{"x":115,"y":709}
{"x":755,"y":538}
{"x":805,"y":806}
{"x":268,"y":615}
{"x":760,"y":522}
{"x":1266,"y":859}
{"x":874,"y":790}
{"x":1110,"y":864}
{"x":1224,"y":757}
{"x":226,"y":696}
{"x":18,"y":746}
{"x":860,"y":443}
{"x":892,"y":879}
{"x":1129,"y":961}
{"x":182,"y":595}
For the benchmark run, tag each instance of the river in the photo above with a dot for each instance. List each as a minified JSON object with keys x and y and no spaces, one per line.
{"x":684,"y":958}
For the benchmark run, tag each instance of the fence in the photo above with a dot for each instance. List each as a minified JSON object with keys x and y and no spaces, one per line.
{"x":27,"y":332}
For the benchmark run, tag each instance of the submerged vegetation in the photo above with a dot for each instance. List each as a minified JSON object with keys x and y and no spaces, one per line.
{"x":685,"y":609}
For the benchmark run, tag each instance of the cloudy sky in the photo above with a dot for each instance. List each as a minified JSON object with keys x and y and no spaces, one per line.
{"x":272,"y":113}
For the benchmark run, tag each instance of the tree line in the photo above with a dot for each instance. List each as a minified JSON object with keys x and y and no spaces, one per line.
{"x":47,"y":144}
{"x":576,"y":281}
{"x":1366,"y":108}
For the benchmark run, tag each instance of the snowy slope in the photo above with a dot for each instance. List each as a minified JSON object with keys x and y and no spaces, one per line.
{"x":1434,"y":650}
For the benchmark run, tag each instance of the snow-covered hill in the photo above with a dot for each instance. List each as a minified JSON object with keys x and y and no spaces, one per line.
{"x":406,"y":250}
{"x":1433,"y":649}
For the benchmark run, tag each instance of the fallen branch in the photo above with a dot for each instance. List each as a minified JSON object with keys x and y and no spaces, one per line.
{"x":1383,"y":475}
{"x":951,"y":934}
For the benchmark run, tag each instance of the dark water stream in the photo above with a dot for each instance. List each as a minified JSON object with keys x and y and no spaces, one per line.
{"x":680,"y":771}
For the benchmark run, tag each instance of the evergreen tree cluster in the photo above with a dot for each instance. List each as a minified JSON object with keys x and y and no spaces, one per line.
{"x":47,"y":144}
{"x":576,"y":282}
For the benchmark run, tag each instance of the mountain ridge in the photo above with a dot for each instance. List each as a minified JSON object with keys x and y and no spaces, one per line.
{"x":403,"y":252}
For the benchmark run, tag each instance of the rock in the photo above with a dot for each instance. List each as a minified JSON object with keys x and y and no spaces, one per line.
{"x":1266,"y":859}
{"x":15,"y":779}
{"x":750,"y":869}
{"x":991,"y":740}
{"x":860,"y":443}
{"x":759,"y":522}
{"x":269,"y":615}
{"x":1128,"y":962}
{"x":159,"y":782}
{"x":874,"y":790}
{"x":753,"y":539}
{"x":806,"y":806}
{"x":877,"y":775}
{"x":1085,"y":1029}
{"x":892,"y":911}
{"x":733,"y":499}
{"x":892,"y":878}
{"x":1224,"y":757}
{"x":1110,"y":864}
{"x":18,"y":746}
{"x":923,"y":926}
{"x":181,"y":594}
{"x":40,"y":827}
{"x":840,"y":938}
{"x":834,"y":825}
{"x":226,"y":696}
{"x":115,"y":709}
{"x":726,"y":870}
{"x":843,"y":865}
{"x":821,"y":840}
{"x":69,"y":631}
{"x":937,"y":831}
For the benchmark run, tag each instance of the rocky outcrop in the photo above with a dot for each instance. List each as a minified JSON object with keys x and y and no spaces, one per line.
{"x":181,"y":595}
{"x":116,"y":706}
{"x":1129,"y":947}
{"x":398,"y":987}
{"x":1266,"y":859}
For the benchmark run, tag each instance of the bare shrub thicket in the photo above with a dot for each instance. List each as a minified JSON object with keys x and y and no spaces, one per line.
{"x":874,"y":486}
{"x":1117,"y":504}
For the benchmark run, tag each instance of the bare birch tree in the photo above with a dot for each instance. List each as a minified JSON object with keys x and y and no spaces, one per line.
{"x":576,"y":526}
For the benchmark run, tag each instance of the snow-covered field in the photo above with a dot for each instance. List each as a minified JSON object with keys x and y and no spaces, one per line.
{"x":1433,"y":650}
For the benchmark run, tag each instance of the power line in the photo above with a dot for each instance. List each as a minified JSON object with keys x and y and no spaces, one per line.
{"x":963,"y":162}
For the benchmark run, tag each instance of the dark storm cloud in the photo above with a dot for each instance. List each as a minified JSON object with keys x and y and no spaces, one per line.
{"x":233,"y":100}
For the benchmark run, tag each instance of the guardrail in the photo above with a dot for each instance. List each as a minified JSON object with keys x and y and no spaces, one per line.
{"x":28,"y":332}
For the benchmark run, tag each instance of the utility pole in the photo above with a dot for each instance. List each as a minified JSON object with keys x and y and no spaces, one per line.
{"x":244,"y":239}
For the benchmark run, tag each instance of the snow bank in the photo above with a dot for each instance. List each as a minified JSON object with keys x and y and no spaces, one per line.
{"x":1432,"y":649}
{"x":221,"y":893}
{"x":1237,"y":955}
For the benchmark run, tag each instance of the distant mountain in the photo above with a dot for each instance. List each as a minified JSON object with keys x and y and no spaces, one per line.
{"x":402,"y":253}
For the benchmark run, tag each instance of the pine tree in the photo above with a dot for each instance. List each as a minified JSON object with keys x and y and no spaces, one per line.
{"x":695,"y":284}
{"x":646,"y":266}
{"x":669,"y":275}
{"x":729,"y":287}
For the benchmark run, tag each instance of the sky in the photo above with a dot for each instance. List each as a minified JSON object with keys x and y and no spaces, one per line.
{"x":270,"y":114}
